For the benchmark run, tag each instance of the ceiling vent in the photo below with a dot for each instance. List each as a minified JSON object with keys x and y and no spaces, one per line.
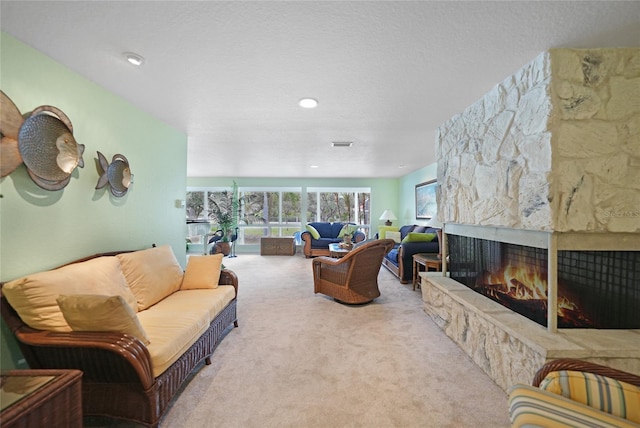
{"x":341,"y":144}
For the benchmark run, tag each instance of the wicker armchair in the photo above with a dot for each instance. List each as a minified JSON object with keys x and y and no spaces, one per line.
{"x":583,"y":366}
{"x":352,"y":279}
{"x":594,"y":397}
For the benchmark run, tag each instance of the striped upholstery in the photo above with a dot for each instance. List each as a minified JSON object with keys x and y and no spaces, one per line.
{"x":531,"y":407}
{"x":600,"y":392}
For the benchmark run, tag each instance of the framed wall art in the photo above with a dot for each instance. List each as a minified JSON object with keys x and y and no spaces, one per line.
{"x":426,"y":204}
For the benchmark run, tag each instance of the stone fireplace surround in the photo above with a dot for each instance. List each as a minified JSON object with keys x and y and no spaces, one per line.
{"x":551,"y":156}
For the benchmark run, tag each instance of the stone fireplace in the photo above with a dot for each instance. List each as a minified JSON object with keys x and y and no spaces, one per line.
{"x":539,"y":194}
{"x":595,"y":289}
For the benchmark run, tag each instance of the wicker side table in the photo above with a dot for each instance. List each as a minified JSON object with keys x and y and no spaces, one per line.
{"x":277,"y":246}
{"x":38,"y":398}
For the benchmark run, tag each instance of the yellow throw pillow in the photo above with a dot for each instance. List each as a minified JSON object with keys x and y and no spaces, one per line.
{"x":348,"y":229}
{"x":89,"y":312}
{"x":152,"y":274}
{"x":34,"y":296}
{"x":202,"y":272}
{"x":312,"y":230}
{"x":418,"y":237}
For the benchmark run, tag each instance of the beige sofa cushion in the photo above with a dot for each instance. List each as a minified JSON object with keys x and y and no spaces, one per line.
{"x":211,"y":300}
{"x":152,"y":274}
{"x":90,"y":312}
{"x":176,"y":323}
{"x":202,"y":272}
{"x":34,"y":296}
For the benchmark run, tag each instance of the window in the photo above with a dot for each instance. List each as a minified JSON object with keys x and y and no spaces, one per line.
{"x":269,"y":212}
{"x":279,"y":211}
{"x":195,"y":206}
{"x":198,"y":209}
{"x":339,"y":204}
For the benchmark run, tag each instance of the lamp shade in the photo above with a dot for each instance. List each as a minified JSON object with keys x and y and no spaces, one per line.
{"x":388,"y":216}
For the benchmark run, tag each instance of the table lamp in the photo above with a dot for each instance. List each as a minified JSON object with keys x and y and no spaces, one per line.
{"x":388,"y":215}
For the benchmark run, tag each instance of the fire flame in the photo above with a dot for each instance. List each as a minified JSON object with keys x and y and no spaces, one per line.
{"x":524,"y":283}
{"x":520,"y":283}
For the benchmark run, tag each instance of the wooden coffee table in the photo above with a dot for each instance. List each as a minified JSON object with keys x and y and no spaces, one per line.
{"x":335,"y":250}
{"x":429,"y":261}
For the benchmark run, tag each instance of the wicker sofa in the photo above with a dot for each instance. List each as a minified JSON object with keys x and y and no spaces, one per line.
{"x":157,"y":324}
{"x":327,"y":233}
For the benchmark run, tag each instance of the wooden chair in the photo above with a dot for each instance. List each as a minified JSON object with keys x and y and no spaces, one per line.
{"x":352,"y":279}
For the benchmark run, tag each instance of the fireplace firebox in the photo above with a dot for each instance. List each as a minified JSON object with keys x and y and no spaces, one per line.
{"x":595,"y":289}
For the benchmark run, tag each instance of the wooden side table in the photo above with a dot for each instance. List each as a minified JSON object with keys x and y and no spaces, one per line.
{"x":38,"y":398}
{"x":429,"y":261}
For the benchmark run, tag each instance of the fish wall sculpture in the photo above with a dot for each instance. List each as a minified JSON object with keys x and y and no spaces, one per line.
{"x":43,"y":141}
{"x":116,"y":174}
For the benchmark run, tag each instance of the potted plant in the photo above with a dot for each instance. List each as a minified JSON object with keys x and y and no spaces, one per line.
{"x":224,"y":211}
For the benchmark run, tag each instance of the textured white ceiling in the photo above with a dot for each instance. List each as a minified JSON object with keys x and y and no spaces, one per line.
{"x":386,"y":74}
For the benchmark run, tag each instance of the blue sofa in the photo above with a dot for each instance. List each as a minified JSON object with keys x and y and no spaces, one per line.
{"x":399,"y":260}
{"x":328,"y":235}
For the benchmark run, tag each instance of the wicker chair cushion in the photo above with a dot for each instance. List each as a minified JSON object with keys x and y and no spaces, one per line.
{"x":34,"y":296}
{"x":202,"y":272}
{"x":152,"y":274}
{"x":176,"y":323}
{"x":600,"y":392}
{"x":530,"y":406}
{"x":90,"y":312}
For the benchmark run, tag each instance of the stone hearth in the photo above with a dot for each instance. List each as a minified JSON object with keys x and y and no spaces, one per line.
{"x":509,"y":347}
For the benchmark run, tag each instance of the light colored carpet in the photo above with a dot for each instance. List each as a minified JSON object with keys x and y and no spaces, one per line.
{"x":300,"y":359}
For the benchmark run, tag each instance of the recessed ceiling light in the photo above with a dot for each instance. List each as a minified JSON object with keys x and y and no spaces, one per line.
{"x":341,"y":144}
{"x":133,"y":58}
{"x":308,"y":103}
{"x":314,"y":166}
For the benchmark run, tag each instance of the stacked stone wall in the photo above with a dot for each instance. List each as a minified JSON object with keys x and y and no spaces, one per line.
{"x":554,"y":147}
{"x":596,"y":140}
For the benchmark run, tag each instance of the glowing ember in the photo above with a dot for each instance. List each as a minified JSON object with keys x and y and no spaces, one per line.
{"x":515,"y":284}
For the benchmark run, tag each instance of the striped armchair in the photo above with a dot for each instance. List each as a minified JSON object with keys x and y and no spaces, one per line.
{"x":574,"y":393}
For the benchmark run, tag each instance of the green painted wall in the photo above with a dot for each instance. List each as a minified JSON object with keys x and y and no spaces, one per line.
{"x":406,"y":196}
{"x":41,"y":229}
